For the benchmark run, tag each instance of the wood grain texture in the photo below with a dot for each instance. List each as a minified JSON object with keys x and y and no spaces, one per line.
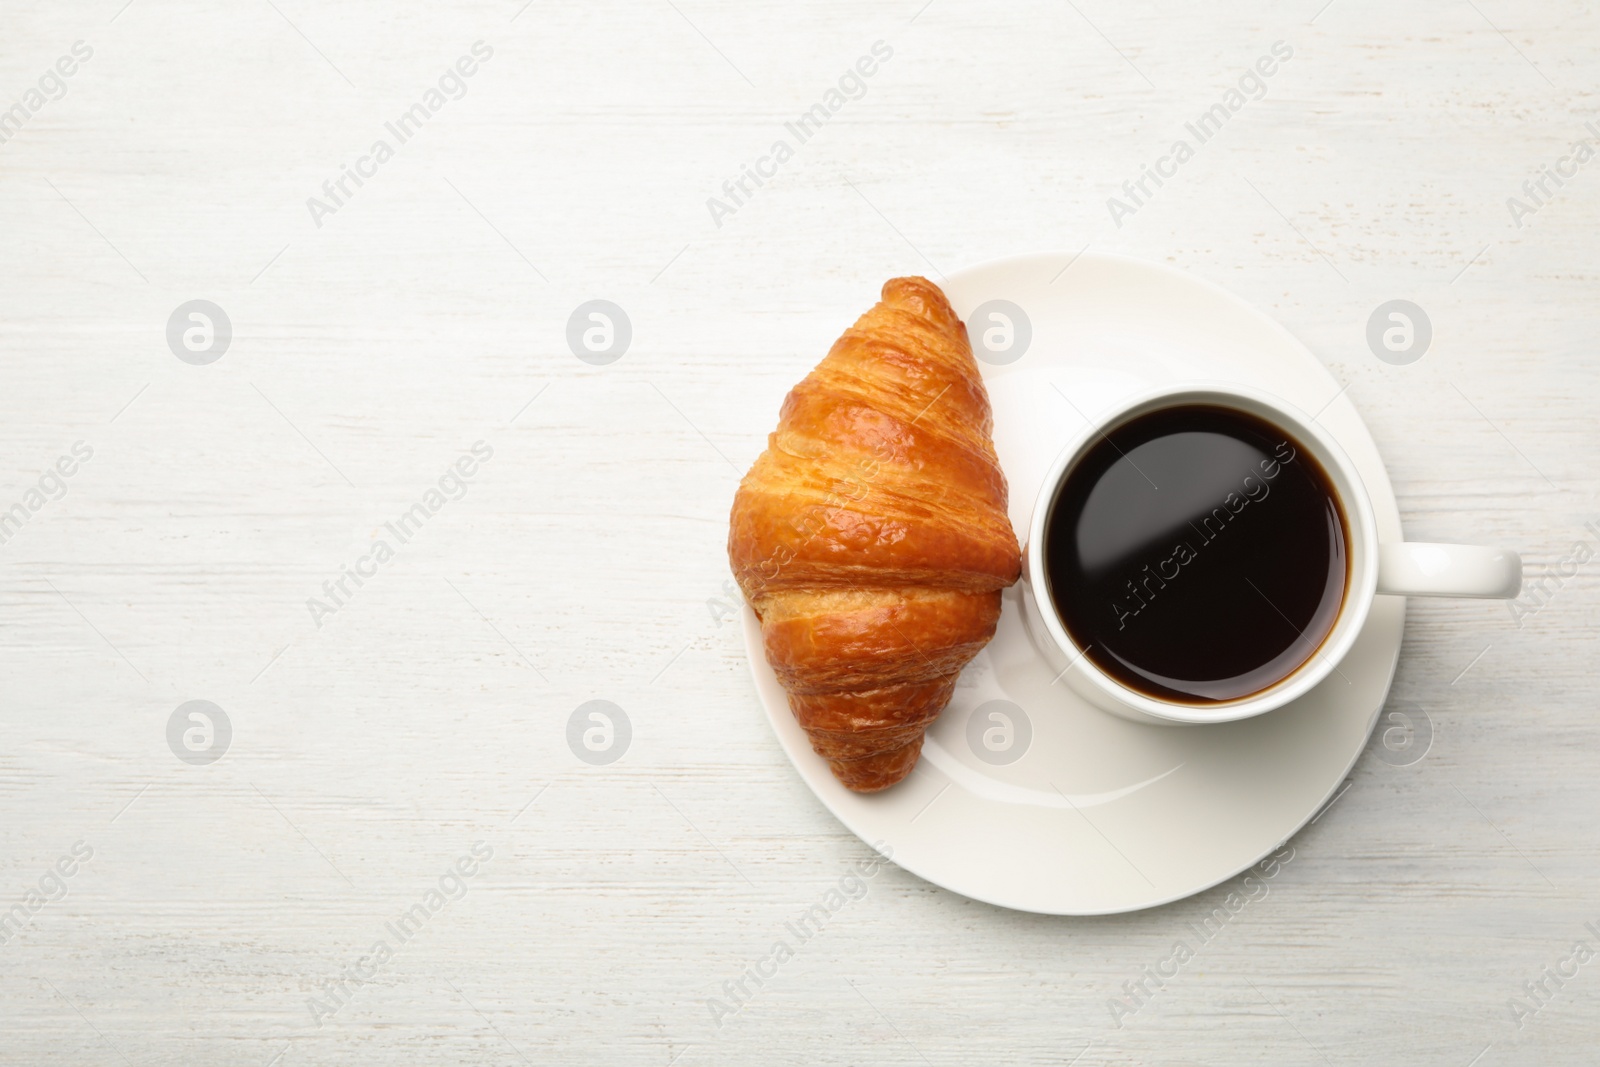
{"x":586,"y":559}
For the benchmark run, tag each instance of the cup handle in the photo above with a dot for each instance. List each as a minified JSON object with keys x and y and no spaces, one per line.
{"x":1418,"y":568}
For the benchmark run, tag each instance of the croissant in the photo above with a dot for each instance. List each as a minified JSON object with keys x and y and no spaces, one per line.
{"x":871,"y":536}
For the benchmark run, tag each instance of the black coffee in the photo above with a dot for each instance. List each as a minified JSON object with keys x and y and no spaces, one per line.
{"x":1197,"y":553}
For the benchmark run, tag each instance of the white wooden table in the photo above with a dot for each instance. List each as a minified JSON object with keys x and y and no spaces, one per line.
{"x":223,"y":908}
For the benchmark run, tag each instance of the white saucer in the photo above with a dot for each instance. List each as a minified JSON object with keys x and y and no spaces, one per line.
{"x":1095,"y":814}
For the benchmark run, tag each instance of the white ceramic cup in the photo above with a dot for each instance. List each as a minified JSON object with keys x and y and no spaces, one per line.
{"x":1403,"y":569}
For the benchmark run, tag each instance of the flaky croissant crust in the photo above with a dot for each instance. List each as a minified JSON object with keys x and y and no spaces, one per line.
{"x":871,"y":536}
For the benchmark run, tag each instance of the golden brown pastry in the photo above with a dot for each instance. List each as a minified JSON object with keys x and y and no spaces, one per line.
{"x":871,"y":536}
